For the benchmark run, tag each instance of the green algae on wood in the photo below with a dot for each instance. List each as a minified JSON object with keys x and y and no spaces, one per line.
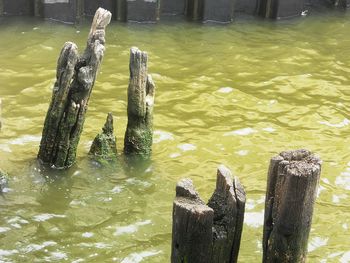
{"x":75,"y":79}
{"x":104,"y":146}
{"x":293,"y":178}
{"x":4,"y":179}
{"x":0,"y":114}
{"x":139,"y":133}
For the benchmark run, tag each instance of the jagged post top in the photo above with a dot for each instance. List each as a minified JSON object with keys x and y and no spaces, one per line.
{"x":299,"y":162}
{"x":108,"y":127}
{"x":101,"y":19}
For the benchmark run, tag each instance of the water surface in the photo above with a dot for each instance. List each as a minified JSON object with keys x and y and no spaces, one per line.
{"x":234,"y":95}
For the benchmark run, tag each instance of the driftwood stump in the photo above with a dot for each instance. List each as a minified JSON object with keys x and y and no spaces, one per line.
{"x":104,"y":146}
{"x":208,"y":233}
{"x":139,"y":132}
{"x":75,"y":79}
{"x":291,"y":192}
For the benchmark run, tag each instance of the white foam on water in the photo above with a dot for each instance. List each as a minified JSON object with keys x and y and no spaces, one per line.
{"x":25,"y":139}
{"x":345,"y":258}
{"x":316,"y":243}
{"x":269,"y":129}
{"x":174,"y":155}
{"x":131,"y":228}
{"x":320,"y":189}
{"x":45,"y":217}
{"x":138,"y":257}
{"x":159,"y":136}
{"x":17,"y":220}
{"x":242,"y":152}
{"x":87,"y":234}
{"x":5,"y":148}
{"x":187,"y":147}
{"x":254,"y":219}
{"x":241,"y":132}
{"x":117,"y":189}
{"x":6,"y":253}
{"x":36,"y":247}
{"x":4,"y":229}
{"x":75,"y":203}
{"x":250,"y":204}
{"x":57,"y":255}
{"x":341,"y":124}
{"x":343,"y":180}
{"x":225,"y":90}
{"x":135,"y":181}
{"x":101,"y":245}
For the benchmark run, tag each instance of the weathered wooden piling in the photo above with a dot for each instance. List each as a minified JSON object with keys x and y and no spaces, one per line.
{"x":208,"y":233}
{"x":291,"y":192}
{"x":75,"y":79}
{"x":3,"y":180}
{"x":104,"y":146}
{"x":0,"y":114}
{"x":141,"y":91}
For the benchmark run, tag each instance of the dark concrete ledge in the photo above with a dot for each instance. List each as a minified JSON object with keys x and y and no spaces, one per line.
{"x":146,"y":11}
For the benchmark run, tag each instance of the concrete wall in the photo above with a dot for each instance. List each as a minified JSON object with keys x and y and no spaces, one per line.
{"x":72,"y":11}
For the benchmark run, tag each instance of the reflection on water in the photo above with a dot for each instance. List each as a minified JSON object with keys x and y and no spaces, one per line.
{"x":234,"y":94}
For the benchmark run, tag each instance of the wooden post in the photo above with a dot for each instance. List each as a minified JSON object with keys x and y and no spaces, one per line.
{"x":291,"y":192}
{"x":192,"y":226}
{"x":228,"y":203}
{"x":75,"y":79}
{"x":139,"y":133}
{"x":208,"y":233}
{"x":0,"y":114}
{"x":3,"y":180}
{"x":104,"y":146}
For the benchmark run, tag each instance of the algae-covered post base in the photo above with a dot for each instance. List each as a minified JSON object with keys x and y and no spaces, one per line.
{"x":291,"y":192}
{"x":4,"y":179}
{"x":139,"y":132}
{"x":208,"y":233}
{"x":104,"y":146}
{"x":75,"y":79}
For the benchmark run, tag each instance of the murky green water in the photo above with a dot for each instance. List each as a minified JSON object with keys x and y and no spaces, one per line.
{"x":235,"y":94}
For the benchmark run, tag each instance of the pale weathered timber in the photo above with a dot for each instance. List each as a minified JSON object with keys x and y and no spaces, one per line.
{"x":228,"y":203}
{"x":293,"y":178}
{"x":75,"y":79}
{"x":104,"y":146}
{"x":141,"y":91}
{"x":3,"y":180}
{"x":192,"y":226}
{"x":208,"y":233}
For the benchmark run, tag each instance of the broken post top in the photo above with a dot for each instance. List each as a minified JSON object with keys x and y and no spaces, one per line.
{"x":299,"y":162}
{"x":138,"y":82}
{"x":101,"y":19}
{"x":75,"y":79}
{"x":185,"y":188}
{"x":108,"y":127}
